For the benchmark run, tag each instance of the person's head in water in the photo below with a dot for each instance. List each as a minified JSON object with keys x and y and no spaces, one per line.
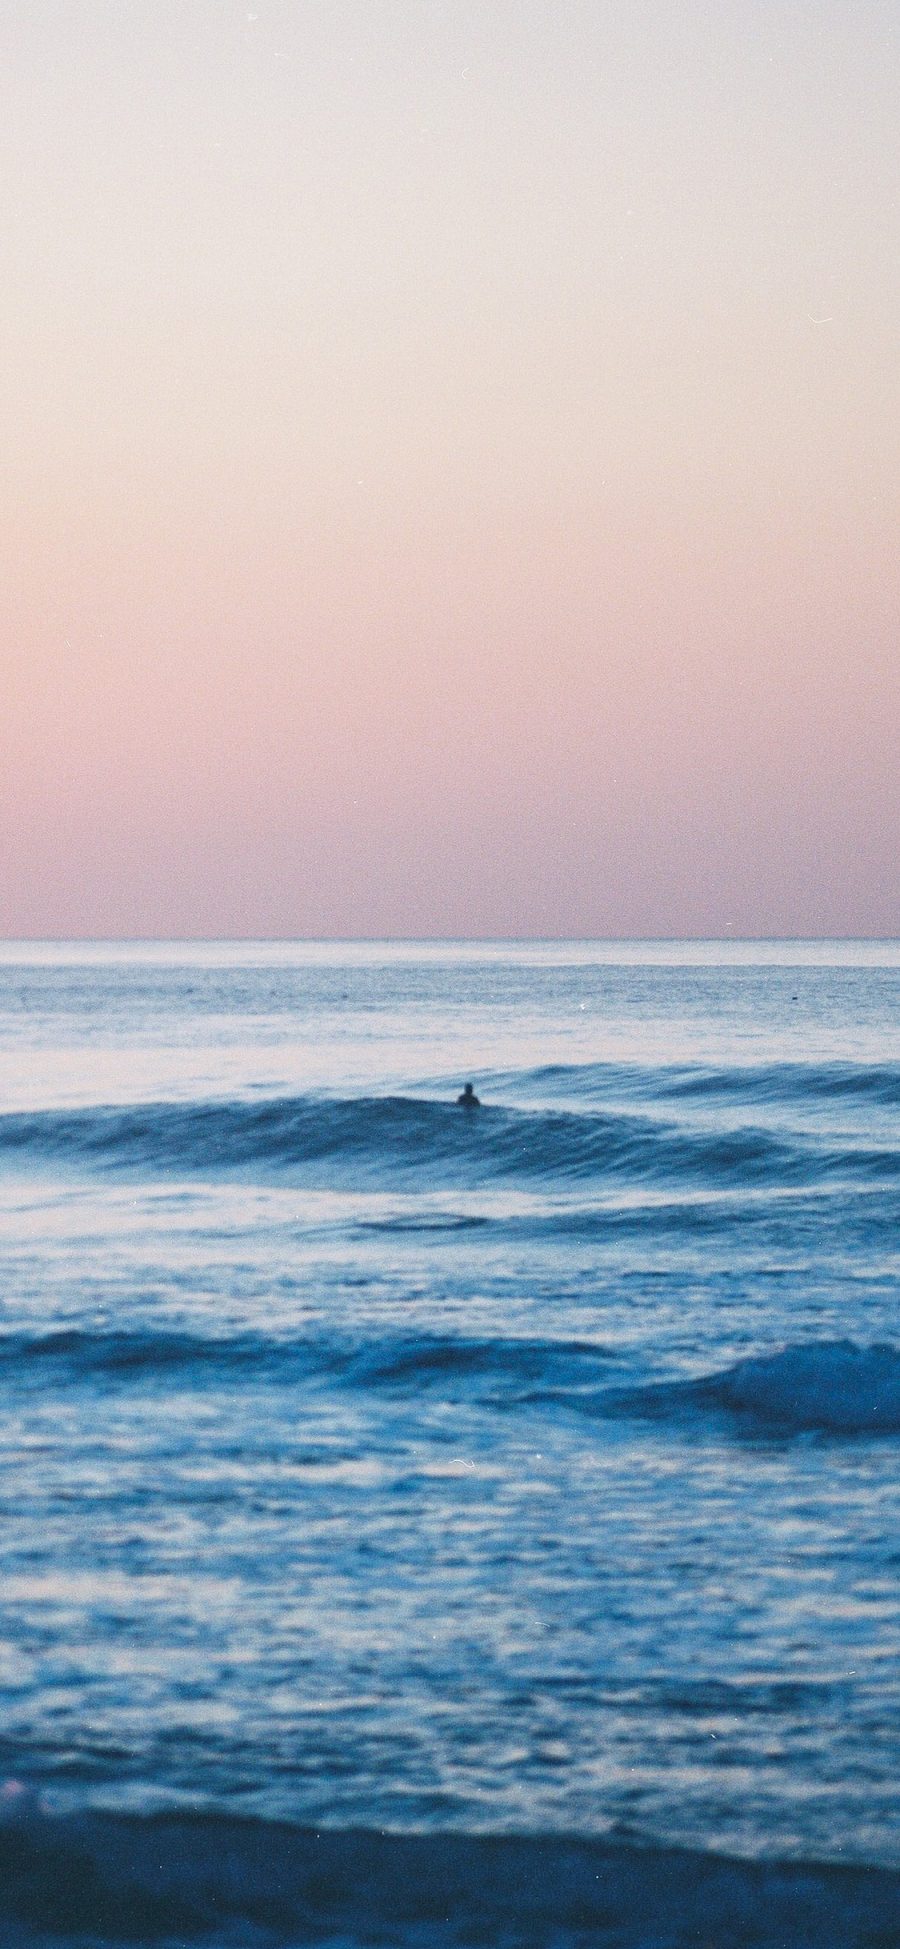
{"x":468,"y":1099}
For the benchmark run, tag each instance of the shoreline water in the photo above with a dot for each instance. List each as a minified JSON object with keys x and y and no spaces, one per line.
{"x":210,"y":1878}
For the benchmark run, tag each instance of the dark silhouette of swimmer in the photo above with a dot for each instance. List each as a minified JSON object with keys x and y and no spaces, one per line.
{"x":468,"y":1100}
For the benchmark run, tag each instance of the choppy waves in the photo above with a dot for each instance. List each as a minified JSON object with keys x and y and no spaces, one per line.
{"x":202,"y":1878}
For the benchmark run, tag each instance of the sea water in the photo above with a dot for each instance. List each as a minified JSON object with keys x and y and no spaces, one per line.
{"x":429,"y":1524}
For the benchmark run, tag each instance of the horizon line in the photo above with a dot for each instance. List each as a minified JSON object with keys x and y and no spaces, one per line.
{"x":427,"y":940}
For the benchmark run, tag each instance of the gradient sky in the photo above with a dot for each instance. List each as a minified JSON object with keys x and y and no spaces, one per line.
{"x":450,"y":467}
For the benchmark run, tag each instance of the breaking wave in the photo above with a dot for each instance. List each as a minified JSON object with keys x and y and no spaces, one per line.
{"x":829,"y":1387}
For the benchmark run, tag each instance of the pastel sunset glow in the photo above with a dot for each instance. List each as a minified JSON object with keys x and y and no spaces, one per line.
{"x":450,"y":471}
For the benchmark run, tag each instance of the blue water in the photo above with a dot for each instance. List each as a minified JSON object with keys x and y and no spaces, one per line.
{"x":421,"y":1524}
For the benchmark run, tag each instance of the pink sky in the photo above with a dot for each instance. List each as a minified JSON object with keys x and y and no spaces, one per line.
{"x":450,"y":475}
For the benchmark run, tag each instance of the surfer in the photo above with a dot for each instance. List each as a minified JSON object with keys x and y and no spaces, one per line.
{"x":468,"y":1100}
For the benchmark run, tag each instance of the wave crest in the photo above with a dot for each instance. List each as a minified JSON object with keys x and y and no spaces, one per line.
{"x":794,"y":1084}
{"x":826,"y":1386}
{"x":417,"y":1141}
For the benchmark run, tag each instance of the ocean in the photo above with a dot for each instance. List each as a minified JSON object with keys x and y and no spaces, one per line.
{"x":433,"y":1526}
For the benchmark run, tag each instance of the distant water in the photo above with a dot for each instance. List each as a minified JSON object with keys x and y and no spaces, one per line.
{"x":426,"y":1526}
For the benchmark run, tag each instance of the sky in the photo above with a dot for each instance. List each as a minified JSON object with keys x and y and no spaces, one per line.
{"x":450,"y":475}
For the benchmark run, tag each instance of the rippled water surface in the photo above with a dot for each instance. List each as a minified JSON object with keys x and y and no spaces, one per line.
{"x":374,"y":1465}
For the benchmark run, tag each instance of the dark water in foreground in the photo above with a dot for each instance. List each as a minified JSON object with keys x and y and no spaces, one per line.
{"x":417,"y":1525}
